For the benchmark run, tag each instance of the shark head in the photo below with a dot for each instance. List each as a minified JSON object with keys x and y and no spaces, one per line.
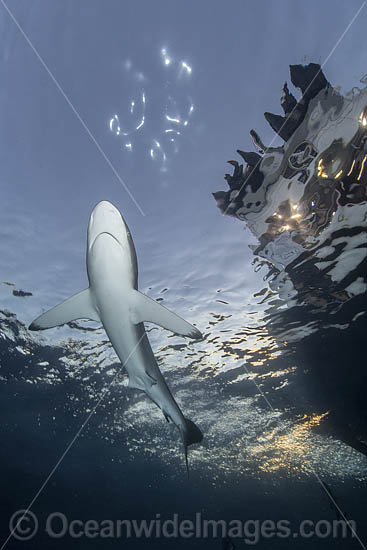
{"x":105,"y":218}
{"x":106,"y":229}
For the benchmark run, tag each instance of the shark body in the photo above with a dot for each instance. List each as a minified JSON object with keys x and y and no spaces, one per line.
{"x":113,"y":299}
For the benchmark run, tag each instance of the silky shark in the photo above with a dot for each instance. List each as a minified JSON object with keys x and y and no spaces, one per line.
{"x":113,"y":299}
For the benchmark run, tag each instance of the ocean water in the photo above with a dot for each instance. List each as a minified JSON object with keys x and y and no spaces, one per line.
{"x":142,"y":104}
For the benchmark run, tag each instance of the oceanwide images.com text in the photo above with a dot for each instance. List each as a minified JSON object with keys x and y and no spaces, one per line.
{"x":24,"y":525}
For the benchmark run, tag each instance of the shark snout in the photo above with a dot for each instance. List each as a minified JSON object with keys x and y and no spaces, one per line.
{"x":105,"y":218}
{"x":104,"y":214}
{"x":105,"y":207}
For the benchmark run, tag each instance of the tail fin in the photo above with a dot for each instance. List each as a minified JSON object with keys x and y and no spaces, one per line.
{"x":190,"y":434}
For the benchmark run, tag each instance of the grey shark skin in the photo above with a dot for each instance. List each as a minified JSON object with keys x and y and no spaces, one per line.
{"x":114,"y":300}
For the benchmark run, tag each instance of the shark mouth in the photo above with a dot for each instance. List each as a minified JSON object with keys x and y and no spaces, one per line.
{"x":104,"y":233}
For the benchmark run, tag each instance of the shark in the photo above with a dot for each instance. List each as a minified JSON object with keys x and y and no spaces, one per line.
{"x":114,"y":300}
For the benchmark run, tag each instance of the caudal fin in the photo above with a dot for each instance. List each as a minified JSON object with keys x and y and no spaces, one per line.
{"x":190,"y":434}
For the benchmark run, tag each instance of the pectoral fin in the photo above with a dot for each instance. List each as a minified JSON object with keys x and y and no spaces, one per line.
{"x":78,"y":306}
{"x":146,"y":309}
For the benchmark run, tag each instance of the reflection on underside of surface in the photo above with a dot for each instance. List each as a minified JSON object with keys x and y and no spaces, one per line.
{"x":159,"y":103}
{"x":305,"y":202}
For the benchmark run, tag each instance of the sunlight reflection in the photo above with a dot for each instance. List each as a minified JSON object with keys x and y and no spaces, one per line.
{"x":186,"y":67}
{"x":170,"y":102}
{"x":290,"y":451}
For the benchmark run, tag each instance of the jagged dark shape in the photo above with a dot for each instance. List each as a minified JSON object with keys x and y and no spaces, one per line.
{"x":241,"y":180}
{"x":250,"y":177}
{"x":283,"y":126}
{"x":253,"y":177}
{"x":288,"y":101}
{"x":228,"y":203}
{"x":236,"y":180}
{"x":252,"y":159}
{"x":238,"y":168}
{"x":257,"y":140}
{"x":309,"y":79}
{"x":220,"y":195}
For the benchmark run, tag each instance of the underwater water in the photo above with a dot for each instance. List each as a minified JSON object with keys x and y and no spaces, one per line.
{"x":142,"y":104}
